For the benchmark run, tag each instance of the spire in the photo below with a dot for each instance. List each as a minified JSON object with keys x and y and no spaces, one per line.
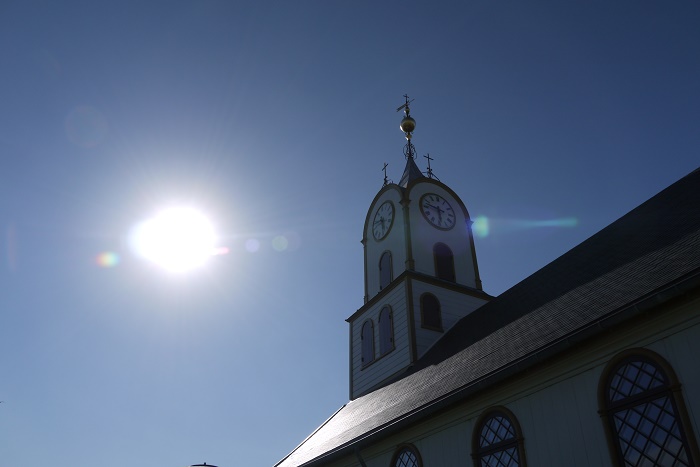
{"x":408,"y":124}
{"x":410,"y":173}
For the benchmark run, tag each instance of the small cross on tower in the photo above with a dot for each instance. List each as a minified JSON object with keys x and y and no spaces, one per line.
{"x":430,"y":171}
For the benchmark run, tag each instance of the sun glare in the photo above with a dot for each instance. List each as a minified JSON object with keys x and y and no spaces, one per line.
{"x":177,"y":239}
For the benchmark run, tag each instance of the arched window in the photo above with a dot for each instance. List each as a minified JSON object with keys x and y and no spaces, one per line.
{"x":367,"y":342}
{"x":497,"y":440}
{"x":644,"y":415}
{"x":385,"y":273}
{"x":406,"y":456}
{"x":386,"y":331}
{"x":430,"y":314}
{"x":444,"y":262}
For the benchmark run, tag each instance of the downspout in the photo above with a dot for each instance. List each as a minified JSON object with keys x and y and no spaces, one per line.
{"x":359,"y":458}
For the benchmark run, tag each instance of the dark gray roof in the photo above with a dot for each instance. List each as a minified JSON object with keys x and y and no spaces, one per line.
{"x":650,"y":255}
{"x":410,"y":172}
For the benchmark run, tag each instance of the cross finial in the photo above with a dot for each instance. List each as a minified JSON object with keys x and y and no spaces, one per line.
{"x":430,"y":171}
{"x":405,"y":107}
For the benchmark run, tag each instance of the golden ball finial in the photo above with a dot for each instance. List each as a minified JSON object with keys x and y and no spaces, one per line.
{"x":408,"y":124}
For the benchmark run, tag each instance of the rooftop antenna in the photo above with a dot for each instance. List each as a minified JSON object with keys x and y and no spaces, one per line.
{"x":430,"y":171}
{"x":386,"y":180}
{"x":408,"y":124}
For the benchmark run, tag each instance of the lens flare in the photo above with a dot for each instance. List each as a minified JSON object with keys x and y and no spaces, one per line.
{"x":280,"y":243}
{"x":562,"y":222}
{"x":11,"y":245}
{"x":481,"y":226}
{"x":107,"y":259}
{"x":222,"y":250}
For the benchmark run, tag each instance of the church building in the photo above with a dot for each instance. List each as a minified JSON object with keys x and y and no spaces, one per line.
{"x":590,"y":361}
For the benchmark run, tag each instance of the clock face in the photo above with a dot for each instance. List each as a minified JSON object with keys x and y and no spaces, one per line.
{"x":383,"y":220}
{"x":437,"y":211}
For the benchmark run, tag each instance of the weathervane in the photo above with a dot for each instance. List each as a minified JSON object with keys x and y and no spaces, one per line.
{"x":386,"y":180}
{"x":408,"y":124}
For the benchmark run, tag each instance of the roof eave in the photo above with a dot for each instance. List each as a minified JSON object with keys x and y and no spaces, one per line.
{"x":642,"y":305}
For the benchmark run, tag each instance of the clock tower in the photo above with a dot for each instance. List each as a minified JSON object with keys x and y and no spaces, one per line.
{"x":421,"y":273}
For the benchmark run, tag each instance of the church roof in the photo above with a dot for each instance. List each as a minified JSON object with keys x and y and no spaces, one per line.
{"x":649,"y":256}
{"x":410,"y":173}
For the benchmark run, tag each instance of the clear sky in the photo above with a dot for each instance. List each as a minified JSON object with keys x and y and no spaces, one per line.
{"x":550,"y":119}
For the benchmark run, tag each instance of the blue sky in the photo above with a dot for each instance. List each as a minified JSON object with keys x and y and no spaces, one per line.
{"x":275,"y":119}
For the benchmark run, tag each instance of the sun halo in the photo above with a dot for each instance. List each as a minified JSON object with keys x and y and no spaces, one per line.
{"x":177,"y":239}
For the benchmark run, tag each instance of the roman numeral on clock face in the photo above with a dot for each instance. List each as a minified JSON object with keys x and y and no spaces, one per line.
{"x":437,"y":211}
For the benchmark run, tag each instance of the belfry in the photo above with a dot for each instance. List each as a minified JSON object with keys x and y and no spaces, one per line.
{"x":421,"y":274}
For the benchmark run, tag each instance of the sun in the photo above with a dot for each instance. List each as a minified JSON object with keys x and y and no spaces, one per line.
{"x":177,"y":239}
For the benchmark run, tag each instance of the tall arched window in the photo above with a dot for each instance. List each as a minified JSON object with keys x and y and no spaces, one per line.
{"x":497,"y":440}
{"x":444,"y":262}
{"x":406,"y":456}
{"x":385,"y":273}
{"x":386,"y":331}
{"x":430,"y":314}
{"x":644,"y":415}
{"x":367,"y":342}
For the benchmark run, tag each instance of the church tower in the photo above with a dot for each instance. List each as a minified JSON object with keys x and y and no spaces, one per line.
{"x":421,"y":273}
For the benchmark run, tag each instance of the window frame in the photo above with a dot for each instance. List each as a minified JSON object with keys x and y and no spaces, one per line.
{"x":441,"y":267}
{"x":409,"y":447}
{"x":362,"y":343}
{"x":423,"y":325}
{"x":518,"y":441}
{"x":672,"y":390}
{"x":390,"y":268}
{"x":391,"y":346}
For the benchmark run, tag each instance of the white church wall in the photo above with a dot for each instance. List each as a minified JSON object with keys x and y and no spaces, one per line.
{"x":682,"y":351}
{"x":561,"y":425}
{"x":570,"y":399}
{"x":367,"y":376}
{"x":393,"y":242}
{"x":424,"y":236}
{"x":556,"y":404}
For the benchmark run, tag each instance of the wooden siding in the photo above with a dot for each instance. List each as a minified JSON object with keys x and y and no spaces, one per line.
{"x":453,"y":306}
{"x":384,"y":366}
{"x":556,"y":403}
{"x":561,"y":425}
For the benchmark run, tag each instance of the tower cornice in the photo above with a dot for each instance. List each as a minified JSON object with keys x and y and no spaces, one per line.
{"x":418,"y":276}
